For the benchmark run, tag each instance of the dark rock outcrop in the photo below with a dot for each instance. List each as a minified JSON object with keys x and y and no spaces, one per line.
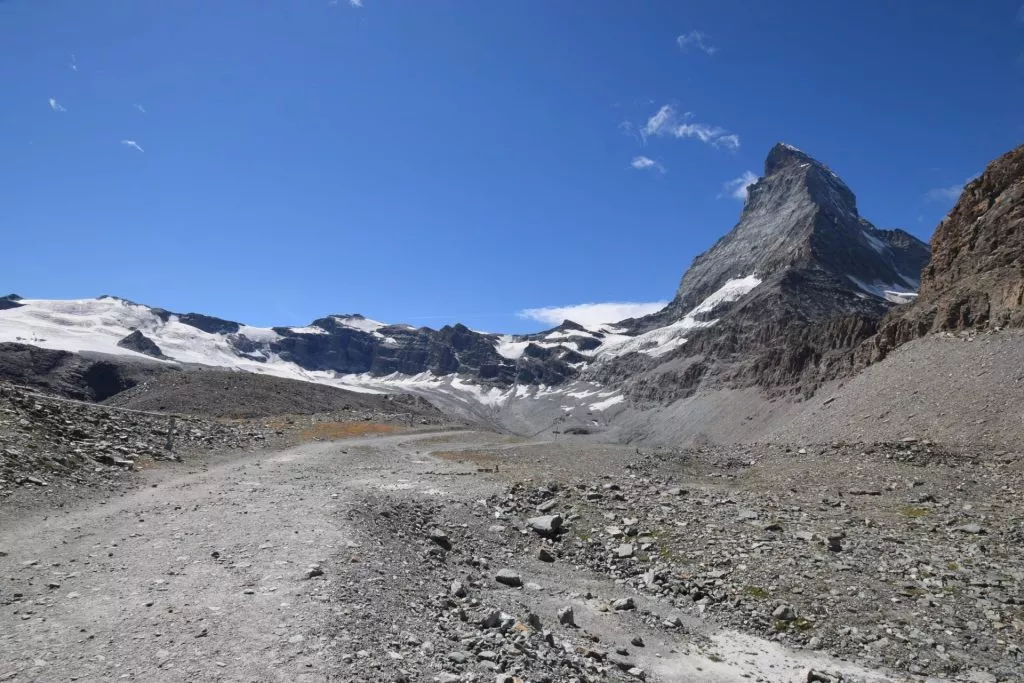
{"x":136,"y":341}
{"x":9,"y":301}
{"x":208,"y":323}
{"x":72,"y":375}
{"x":975,"y":278}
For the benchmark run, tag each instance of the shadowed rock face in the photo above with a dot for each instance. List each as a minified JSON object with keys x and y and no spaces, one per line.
{"x":136,"y":341}
{"x":975,"y":278}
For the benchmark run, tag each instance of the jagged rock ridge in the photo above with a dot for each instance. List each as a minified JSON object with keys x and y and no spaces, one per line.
{"x":975,"y":278}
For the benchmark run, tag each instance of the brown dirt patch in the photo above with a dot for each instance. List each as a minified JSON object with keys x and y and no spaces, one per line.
{"x":326,"y":431}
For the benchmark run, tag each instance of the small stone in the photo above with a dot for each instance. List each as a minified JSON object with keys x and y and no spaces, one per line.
{"x":440,"y":538}
{"x":623,"y":604}
{"x":625,"y":550}
{"x":547,"y":505}
{"x":566,"y":617}
{"x":637,"y":641}
{"x":544,"y":555}
{"x":314,"y":571}
{"x":547,"y":525}
{"x":458,"y":589}
{"x":458,"y":656}
{"x":509,"y":578}
{"x":784,"y":613}
{"x":971,"y":529}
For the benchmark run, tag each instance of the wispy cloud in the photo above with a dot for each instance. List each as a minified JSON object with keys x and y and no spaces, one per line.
{"x":737,"y":187}
{"x":629,"y":129}
{"x":132,"y":144}
{"x":590,"y":315}
{"x":944,"y":194}
{"x":642,"y":163}
{"x":947,"y":195}
{"x":356,"y":3}
{"x":55,"y":105}
{"x":668,"y":122}
{"x":142,"y":110}
{"x":73,"y":64}
{"x":696,"y":39}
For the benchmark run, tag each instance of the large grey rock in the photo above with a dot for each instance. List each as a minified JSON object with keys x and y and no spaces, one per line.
{"x":509,"y":577}
{"x":546,"y":525}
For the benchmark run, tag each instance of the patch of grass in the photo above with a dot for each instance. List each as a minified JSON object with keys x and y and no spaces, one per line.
{"x":803,"y":625}
{"x":953,"y":567}
{"x":715,"y":657}
{"x":757,"y":592}
{"x":914,"y":512}
{"x":799,"y":624}
{"x":328,"y":431}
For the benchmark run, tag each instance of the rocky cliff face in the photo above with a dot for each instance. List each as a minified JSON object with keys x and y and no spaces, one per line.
{"x":825,"y":276}
{"x":975,"y":278}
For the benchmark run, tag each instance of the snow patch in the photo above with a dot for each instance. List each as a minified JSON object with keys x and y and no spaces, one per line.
{"x":662,"y":340}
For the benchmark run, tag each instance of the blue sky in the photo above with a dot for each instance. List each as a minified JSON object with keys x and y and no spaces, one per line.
{"x":272,"y":161}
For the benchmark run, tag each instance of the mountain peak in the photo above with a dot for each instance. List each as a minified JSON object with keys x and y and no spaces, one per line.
{"x":783,"y":156}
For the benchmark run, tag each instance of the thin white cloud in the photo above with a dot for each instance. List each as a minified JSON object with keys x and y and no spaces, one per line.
{"x":944,"y":194}
{"x":667,"y":122}
{"x":55,"y":105}
{"x":591,"y":315}
{"x":730,"y":142}
{"x":642,"y":163}
{"x":73,"y":65}
{"x":356,"y":3}
{"x":142,"y":110}
{"x":696,"y":39}
{"x":132,"y":144}
{"x":737,"y":187}
{"x":947,"y":195}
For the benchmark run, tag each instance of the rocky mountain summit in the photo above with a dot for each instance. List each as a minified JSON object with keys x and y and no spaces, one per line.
{"x":975,"y":279}
{"x":779,"y":301}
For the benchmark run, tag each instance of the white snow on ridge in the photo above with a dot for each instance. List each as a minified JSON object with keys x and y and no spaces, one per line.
{"x":311,"y":329}
{"x":889,"y":292}
{"x":358,"y":323}
{"x":659,"y":341}
{"x":509,"y":348}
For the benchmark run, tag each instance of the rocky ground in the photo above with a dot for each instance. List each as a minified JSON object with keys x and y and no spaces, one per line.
{"x":225,"y":394}
{"x":474,"y":557}
{"x":56,"y":445}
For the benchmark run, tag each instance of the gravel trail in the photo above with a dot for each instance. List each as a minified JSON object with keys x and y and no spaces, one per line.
{"x":269,"y":566}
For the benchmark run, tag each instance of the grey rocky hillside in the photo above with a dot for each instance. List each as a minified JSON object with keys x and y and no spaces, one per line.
{"x":827,"y":276}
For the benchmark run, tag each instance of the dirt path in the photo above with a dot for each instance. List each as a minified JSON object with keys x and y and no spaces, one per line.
{"x":198,"y":578}
{"x":204,"y":576}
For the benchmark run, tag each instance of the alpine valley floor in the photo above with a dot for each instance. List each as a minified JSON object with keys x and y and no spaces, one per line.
{"x":468,"y":556}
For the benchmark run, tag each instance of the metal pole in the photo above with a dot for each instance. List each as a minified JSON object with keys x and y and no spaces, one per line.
{"x":170,"y":435}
